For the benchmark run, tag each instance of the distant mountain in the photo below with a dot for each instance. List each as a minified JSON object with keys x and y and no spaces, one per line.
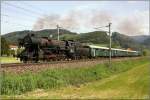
{"x":96,"y":37}
{"x":125,"y":41}
{"x":147,"y":41}
{"x":139,"y":38}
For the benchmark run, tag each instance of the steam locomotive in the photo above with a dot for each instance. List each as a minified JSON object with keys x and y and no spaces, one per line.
{"x":42,"y":48}
{"x":45,"y":49}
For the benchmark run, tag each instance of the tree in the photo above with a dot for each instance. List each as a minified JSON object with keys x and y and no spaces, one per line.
{"x":12,"y":52}
{"x":144,"y":53}
{"x":4,"y":47}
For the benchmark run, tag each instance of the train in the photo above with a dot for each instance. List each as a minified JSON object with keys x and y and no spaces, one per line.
{"x":44,"y":49}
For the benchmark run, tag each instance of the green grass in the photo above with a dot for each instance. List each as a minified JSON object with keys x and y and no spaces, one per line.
{"x":9,"y":60}
{"x":57,"y":78}
{"x":147,"y":52}
{"x":132,"y":84}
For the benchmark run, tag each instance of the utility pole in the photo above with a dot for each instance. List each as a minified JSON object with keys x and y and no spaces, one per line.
{"x":109,"y":26}
{"x":58,"y":32}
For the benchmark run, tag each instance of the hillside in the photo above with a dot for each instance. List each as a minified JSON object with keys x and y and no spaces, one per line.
{"x":147,"y":41}
{"x":14,"y":36}
{"x":140,"y":38}
{"x":125,"y":41}
{"x":96,"y":37}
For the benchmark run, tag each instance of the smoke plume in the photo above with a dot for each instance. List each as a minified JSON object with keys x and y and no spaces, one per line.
{"x":135,"y":24}
{"x":130,"y":27}
{"x":73,"y":20}
{"x":46,"y":22}
{"x":100,"y":18}
{"x":77,"y":20}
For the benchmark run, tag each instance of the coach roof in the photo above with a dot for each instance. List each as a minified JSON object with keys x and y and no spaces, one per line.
{"x":106,"y":48}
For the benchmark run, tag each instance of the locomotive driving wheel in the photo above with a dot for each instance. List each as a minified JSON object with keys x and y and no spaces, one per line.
{"x":24,"y":59}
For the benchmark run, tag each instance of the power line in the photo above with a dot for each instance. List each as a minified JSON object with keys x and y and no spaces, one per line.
{"x":32,"y":7}
{"x":16,"y":11}
{"x":101,"y":27}
{"x":16,"y":24}
{"x":101,"y":30}
{"x":23,"y":19}
{"x":109,"y":27}
{"x":27,"y":10}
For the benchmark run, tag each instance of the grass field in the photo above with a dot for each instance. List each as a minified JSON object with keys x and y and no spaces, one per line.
{"x":9,"y":60}
{"x":126,"y":80}
{"x":133,"y":84}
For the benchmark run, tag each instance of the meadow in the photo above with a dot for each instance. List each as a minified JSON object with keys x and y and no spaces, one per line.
{"x":9,"y":60}
{"x":88,"y":80}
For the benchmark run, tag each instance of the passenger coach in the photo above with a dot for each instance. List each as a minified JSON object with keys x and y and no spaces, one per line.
{"x":98,"y":51}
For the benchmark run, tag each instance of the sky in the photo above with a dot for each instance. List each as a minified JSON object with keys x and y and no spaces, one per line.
{"x":127,"y":17}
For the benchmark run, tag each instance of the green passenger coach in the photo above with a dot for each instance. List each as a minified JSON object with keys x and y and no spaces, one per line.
{"x":98,"y":51}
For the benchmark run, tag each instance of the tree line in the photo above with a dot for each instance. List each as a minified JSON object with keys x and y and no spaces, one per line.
{"x":5,"y":49}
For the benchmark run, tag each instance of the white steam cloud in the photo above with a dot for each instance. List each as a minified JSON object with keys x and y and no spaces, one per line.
{"x":76,"y":20}
{"x":136,"y":24}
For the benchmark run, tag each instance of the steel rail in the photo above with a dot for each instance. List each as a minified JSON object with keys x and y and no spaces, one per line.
{"x":56,"y":62}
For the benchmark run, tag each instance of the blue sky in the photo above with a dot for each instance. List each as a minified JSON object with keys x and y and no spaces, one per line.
{"x":24,"y":15}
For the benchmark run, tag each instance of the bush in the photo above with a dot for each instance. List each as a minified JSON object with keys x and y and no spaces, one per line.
{"x":144,"y":53}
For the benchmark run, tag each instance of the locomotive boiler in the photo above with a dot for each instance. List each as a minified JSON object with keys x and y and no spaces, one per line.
{"x":44,"y":49}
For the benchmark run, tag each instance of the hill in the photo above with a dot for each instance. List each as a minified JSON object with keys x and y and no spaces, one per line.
{"x":13,"y":37}
{"x":125,"y":41}
{"x":96,"y":37}
{"x":147,"y":41}
{"x":140,"y":38}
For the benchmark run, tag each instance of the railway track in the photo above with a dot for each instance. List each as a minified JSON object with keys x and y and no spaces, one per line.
{"x":36,"y":67}
{"x":47,"y":63}
{"x":57,"y":62}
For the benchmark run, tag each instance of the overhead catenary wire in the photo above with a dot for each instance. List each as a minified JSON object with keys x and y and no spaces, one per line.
{"x":26,"y":14}
{"x":22,"y":19}
{"x":16,"y":24}
{"x":109,"y":27}
{"x":25,"y":9}
{"x":32,"y":6}
{"x":101,"y":30}
{"x":22,"y":8}
{"x":101,"y":27}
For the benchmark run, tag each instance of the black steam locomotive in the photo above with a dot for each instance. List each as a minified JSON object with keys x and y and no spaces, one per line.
{"x":44,"y":49}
